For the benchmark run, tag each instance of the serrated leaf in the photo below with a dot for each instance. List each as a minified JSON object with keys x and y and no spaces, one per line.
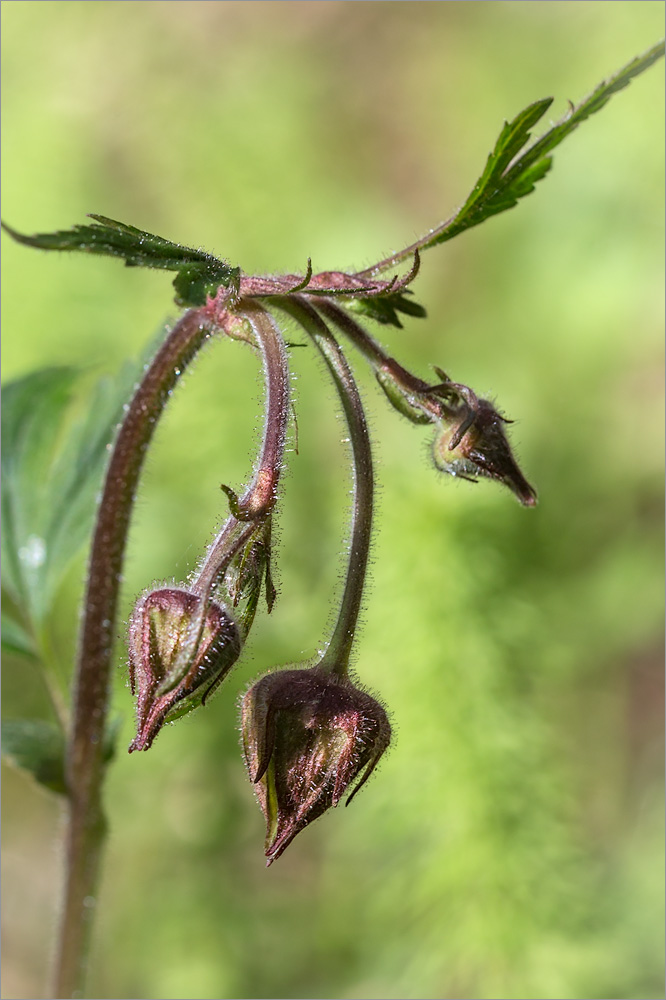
{"x":590,"y":105}
{"x":510,"y":175}
{"x":52,"y":467}
{"x":511,"y":139}
{"x":198,"y":273}
{"x":37,"y":747}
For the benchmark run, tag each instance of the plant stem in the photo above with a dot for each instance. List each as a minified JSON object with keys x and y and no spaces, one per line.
{"x":85,"y":752}
{"x":259,"y":498}
{"x":397,"y":258}
{"x":336,"y":658}
{"x":380,"y":360}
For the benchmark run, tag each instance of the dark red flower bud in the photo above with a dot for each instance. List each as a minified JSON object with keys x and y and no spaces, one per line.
{"x":176,"y":657}
{"x":308,"y":736}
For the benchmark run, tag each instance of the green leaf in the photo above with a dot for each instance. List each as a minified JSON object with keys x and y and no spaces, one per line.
{"x":32,"y":411}
{"x":198,"y":273}
{"x":590,"y":105}
{"x":38,"y":747}
{"x":511,"y":140}
{"x":15,"y":638}
{"x":385,"y":308}
{"x":510,"y":175}
{"x":52,"y":465}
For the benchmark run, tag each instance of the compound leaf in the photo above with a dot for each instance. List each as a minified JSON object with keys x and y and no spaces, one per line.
{"x":510,"y":174}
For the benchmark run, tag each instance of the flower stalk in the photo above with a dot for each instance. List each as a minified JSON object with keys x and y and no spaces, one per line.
{"x":257,"y":502}
{"x":183,"y":642}
{"x":470,"y":440}
{"x":309,"y":734}
{"x":336,"y":657}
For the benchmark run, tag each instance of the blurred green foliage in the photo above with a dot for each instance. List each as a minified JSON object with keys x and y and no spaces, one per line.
{"x":511,"y":843}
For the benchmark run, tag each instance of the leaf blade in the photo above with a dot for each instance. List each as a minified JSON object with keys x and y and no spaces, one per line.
{"x":52,"y":468}
{"x":594,"y":102}
{"x":38,"y":747}
{"x":15,"y":638}
{"x":31,"y":412}
{"x":198,"y":273}
{"x":503,"y":183}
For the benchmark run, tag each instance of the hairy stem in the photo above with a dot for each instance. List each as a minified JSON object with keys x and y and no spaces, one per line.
{"x":397,"y":258}
{"x":259,"y":498}
{"x":373,"y":352}
{"x":85,"y":752}
{"x":336,"y":658}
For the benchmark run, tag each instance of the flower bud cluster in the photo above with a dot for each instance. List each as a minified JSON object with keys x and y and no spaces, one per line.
{"x":310,"y":735}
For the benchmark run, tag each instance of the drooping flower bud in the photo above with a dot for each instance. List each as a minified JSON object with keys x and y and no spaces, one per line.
{"x":308,"y":736}
{"x":472,"y":443}
{"x":177,"y":655}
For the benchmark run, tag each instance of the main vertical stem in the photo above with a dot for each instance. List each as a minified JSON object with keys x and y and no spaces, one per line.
{"x":336,"y":658}
{"x":85,"y":756}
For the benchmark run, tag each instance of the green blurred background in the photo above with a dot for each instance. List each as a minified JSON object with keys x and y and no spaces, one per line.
{"x":511,"y":843}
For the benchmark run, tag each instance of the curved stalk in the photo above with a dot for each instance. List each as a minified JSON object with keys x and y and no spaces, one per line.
{"x":336,"y":657}
{"x":85,"y":752}
{"x":259,"y":498}
{"x":464,"y":422}
{"x":373,"y":352}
